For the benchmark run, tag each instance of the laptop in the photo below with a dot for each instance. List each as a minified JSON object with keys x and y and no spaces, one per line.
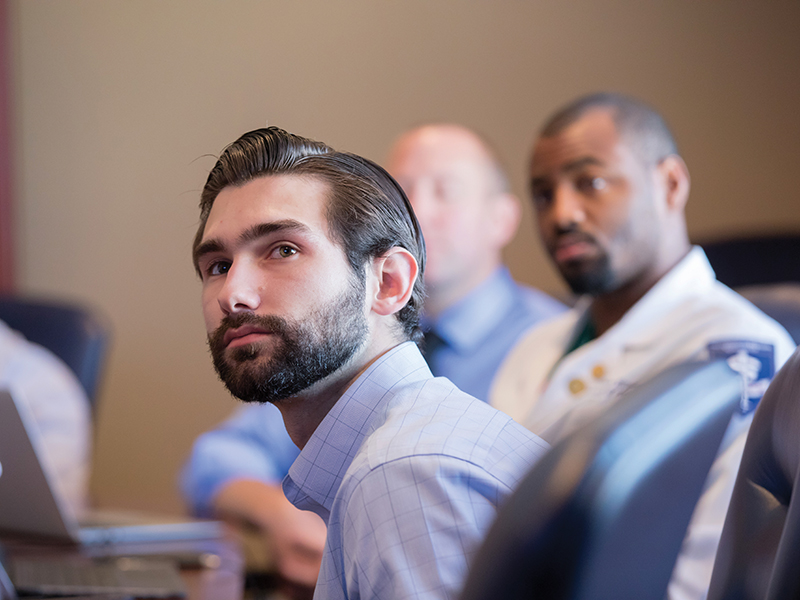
{"x":77,"y":577}
{"x":30,"y":506}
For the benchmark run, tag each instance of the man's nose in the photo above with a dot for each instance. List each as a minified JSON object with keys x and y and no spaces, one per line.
{"x":567,"y":208}
{"x":241,"y":291}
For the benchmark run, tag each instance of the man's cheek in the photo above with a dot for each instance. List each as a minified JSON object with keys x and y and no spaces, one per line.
{"x":212,"y":315}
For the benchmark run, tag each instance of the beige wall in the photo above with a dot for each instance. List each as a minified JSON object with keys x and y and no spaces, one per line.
{"x":120,"y":104}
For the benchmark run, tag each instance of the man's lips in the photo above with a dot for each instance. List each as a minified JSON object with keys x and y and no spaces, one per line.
{"x":570,"y":247}
{"x":245,"y":334}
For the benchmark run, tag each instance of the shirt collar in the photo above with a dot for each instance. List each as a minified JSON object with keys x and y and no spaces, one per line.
{"x":317,"y":473}
{"x":692,"y":275}
{"x":467,"y":323}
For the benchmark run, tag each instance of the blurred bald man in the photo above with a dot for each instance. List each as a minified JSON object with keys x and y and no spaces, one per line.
{"x":474,"y":311}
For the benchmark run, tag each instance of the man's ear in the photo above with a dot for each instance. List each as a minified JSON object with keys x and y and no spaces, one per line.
{"x":506,"y":214}
{"x":394,"y":274}
{"x":675,"y":177}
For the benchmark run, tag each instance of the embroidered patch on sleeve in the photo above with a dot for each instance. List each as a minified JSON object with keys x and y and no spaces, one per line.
{"x":754,"y":361}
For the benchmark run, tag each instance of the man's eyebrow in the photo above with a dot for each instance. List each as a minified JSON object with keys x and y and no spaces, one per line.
{"x":251,"y":234}
{"x":570,"y":167}
{"x":264,"y":229}
{"x":207,"y":247}
{"x":581,"y":162}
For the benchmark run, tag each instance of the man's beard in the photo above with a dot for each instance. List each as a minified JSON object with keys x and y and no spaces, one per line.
{"x":303,"y":351}
{"x":593,"y":278}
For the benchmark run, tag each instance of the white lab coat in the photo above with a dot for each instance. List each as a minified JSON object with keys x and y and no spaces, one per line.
{"x":677,"y":320}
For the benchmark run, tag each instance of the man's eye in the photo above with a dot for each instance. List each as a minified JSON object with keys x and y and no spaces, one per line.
{"x":542,"y":197}
{"x":219,"y":267}
{"x":285,"y":251}
{"x":591,"y":184}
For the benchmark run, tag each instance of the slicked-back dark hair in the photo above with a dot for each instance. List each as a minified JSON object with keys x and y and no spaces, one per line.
{"x":367,"y":211}
{"x":635,"y":121}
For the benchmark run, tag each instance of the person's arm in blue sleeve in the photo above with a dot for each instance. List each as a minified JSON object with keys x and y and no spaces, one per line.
{"x":252,"y":444}
{"x":235,"y":471}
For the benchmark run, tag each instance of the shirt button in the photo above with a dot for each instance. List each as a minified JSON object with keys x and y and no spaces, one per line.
{"x":576,"y":386}
{"x":599,"y":371}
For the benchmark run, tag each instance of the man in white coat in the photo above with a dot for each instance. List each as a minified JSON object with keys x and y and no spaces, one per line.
{"x":610,"y":190}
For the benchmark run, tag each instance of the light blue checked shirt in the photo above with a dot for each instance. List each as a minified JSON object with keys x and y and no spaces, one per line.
{"x":408,"y":473}
{"x":478,"y":333}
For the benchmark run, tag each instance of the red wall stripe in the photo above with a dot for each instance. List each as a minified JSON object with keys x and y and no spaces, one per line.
{"x":6,"y":162}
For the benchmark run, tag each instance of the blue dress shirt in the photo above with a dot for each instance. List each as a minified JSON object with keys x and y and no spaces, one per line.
{"x":474,"y":336}
{"x":408,"y":473}
{"x":252,"y":444}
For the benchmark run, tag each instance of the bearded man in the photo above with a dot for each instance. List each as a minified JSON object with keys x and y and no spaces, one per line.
{"x":610,"y":188}
{"x":311,"y":264}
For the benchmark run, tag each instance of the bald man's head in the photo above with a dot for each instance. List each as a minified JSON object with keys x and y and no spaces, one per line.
{"x":460,"y":194}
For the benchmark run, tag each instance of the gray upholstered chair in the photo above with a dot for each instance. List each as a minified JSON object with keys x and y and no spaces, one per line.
{"x":759,"y":553}
{"x":76,"y":334}
{"x":601,"y":516}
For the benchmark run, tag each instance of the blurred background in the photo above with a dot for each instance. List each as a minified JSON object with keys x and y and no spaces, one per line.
{"x":118,"y":109}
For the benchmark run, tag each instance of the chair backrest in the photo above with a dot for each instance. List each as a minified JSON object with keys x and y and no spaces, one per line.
{"x":781,"y":301}
{"x":603,"y":514}
{"x":759,"y":551}
{"x":76,"y":334}
{"x":7,"y":591}
{"x":755,"y":260}
{"x":765,"y":270}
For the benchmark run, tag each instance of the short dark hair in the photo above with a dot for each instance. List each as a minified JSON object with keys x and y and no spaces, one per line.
{"x":367,"y":212}
{"x":634,"y":120}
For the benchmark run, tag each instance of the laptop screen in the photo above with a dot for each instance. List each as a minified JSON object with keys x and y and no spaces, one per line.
{"x":28,"y":503}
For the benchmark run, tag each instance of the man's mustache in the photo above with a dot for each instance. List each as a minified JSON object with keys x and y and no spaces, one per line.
{"x":571,"y":235}
{"x":274,"y":324}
